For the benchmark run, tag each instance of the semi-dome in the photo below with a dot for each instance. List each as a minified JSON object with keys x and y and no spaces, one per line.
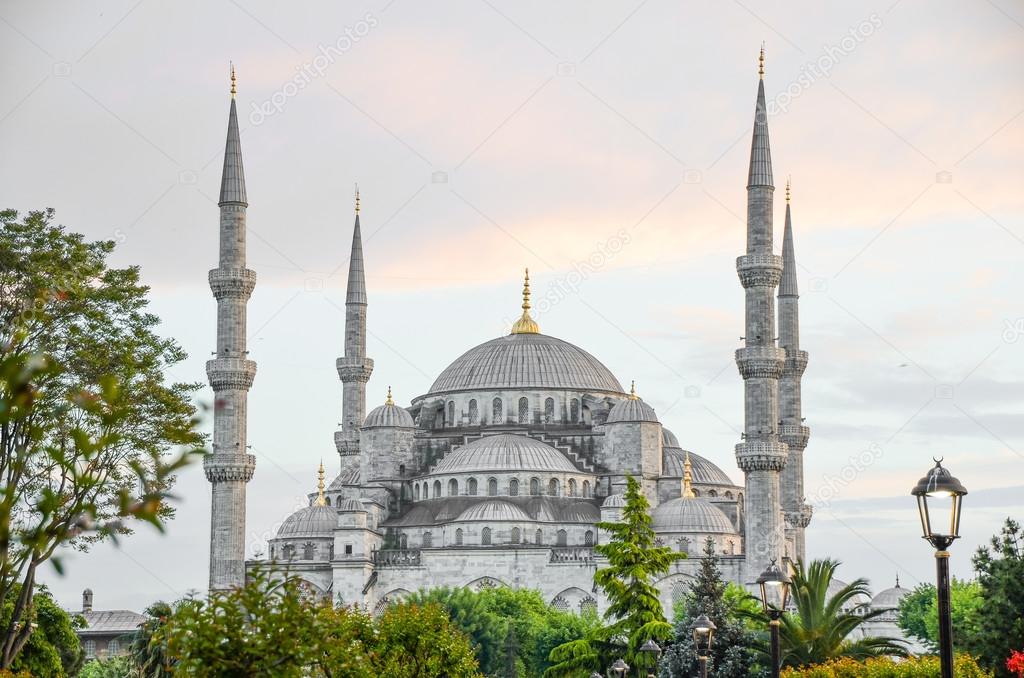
{"x":349,"y":476}
{"x":311,"y":521}
{"x":631,"y":409}
{"x":704,"y":471}
{"x":493,"y":510}
{"x":350,"y":505}
{"x":614,"y":501}
{"x":668,"y":439}
{"x":690,"y":514}
{"x":389,"y":414}
{"x":890,"y":598}
{"x":526,"y":360}
{"x":504,"y":453}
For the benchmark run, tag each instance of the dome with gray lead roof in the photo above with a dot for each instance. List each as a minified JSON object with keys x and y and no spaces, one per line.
{"x":522,"y":361}
{"x":890,"y":598}
{"x":311,"y":521}
{"x":350,"y":505}
{"x":614,"y":501}
{"x":504,"y":453}
{"x":704,"y":471}
{"x":631,"y":409}
{"x":690,"y":515}
{"x":389,"y":415}
{"x":494,"y":510}
{"x":668,"y":439}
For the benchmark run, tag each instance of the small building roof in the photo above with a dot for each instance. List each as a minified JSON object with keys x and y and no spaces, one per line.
{"x":110,"y":622}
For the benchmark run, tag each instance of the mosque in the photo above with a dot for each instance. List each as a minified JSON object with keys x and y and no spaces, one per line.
{"x":499,"y":473}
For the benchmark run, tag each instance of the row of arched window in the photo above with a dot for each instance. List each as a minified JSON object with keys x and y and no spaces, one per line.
{"x":516,"y":536}
{"x":309,"y":549}
{"x":472,"y":488}
{"x":521,"y":415}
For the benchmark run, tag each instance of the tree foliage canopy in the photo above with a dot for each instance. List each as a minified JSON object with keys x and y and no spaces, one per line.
{"x":1000,"y":627}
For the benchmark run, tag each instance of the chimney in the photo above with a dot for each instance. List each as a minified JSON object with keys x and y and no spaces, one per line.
{"x":87,"y":600}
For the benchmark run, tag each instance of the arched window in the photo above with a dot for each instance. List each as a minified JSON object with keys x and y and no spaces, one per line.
{"x":492,"y":487}
{"x":513,"y":488}
{"x":485,"y":536}
{"x":113,"y":647}
{"x":497,"y":417}
{"x":472,"y":487}
{"x":574,"y":411}
{"x":515,"y":535}
{"x":428,"y":540}
{"x":307,"y":551}
{"x":732,"y":548}
{"x":327,"y":500}
{"x":453,"y":488}
{"x":451,"y":413}
{"x":572,"y":487}
{"x":684,"y":545}
{"x":538,"y":536}
{"x":586,"y":488}
{"x":728,"y":494}
{"x":696,"y":493}
{"x":553,"y":487}
{"x":416,"y":491}
{"x":712,"y":493}
{"x":288,"y":552}
{"x":458,"y":537}
{"x":549,"y":410}
{"x":534,"y":486}
{"x":473,"y":414}
{"x":89,"y":647}
{"x":588,"y":606}
{"x":562,"y":538}
{"x":524,"y":411}
{"x":437,"y":489}
{"x":403,"y":541}
{"x":588,"y":538}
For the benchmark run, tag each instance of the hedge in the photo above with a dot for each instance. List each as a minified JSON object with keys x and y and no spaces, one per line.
{"x":884,"y":667}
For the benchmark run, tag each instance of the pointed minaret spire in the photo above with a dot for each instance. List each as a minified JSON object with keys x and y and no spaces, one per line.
{"x":632,"y":390}
{"x":526,"y":324}
{"x":231,"y":374}
{"x":389,"y":401}
{"x":760,"y":173}
{"x":354,"y":368}
{"x":320,"y":499}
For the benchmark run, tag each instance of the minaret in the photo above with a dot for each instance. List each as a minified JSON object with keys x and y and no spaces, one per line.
{"x":791,"y":429}
{"x":761,"y":455}
{"x":354,"y":368}
{"x":231,"y":373}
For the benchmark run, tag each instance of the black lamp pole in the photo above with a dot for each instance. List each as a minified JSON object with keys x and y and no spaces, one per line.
{"x":774,"y":585}
{"x":703,"y":630}
{"x":939,"y":488}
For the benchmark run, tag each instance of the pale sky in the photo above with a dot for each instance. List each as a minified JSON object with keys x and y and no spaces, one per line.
{"x":489,"y":135}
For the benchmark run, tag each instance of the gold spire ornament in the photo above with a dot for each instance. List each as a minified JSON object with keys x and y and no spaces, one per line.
{"x":688,"y":478}
{"x":632,"y":391}
{"x":320,"y":501}
{"x":760,"y":62}
{"x":234,"y":89}
{"x":389,"y":402}
{"x":526,"y":324}
{"x":357,"y":198}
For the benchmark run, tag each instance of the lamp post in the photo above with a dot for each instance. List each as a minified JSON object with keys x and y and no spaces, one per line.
{"x":774,"y":584}
{"x":703,"y":630}
{"x":651,"y":649}
{"x":940,"y":492}
{"x":618,"y":668}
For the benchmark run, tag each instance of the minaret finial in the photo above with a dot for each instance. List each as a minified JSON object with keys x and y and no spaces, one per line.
{"x":688,"y":478}
{"x":320,"y":500}
{"x":234,"y":88}
{"x":526,"y":324}
{"x":789,"y":184}
{"x":389,"y":401}
{"x":357,"y":198}
{"x":897,"y":580}
{"x":632,"y":390}
{"x":760,"y":63}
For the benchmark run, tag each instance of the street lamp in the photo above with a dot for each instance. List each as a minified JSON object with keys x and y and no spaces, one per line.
{"x":651,"y":649}
{"x":774,"y":584}
{"x":619,"y":668}
{"x":940,"y":492}
{"x":703,"y":630}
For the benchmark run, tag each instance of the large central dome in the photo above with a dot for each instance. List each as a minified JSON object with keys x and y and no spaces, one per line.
{"x":526,"y":361}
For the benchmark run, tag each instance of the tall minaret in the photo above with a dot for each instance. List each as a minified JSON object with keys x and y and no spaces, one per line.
{"x":230,"y":467}
{"x":761,"y":455}
{"x":354,"y":367}
{"x":792,"y":431}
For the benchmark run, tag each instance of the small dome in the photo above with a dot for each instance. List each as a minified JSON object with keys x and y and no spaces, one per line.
{"x":494,"y":510}
{"x":889,"y":599}
{"x":836,"y":585}
{"x":504,"y":453}
{"x":311,"y":521}
{"x":614,"y":501}
{"x":389,"y":415}
{"x":668,"y":439}
{"x":631,"y":409}
{"x":704,"y":471}
{"x":350,"y":505}
{"x":690,"y":515}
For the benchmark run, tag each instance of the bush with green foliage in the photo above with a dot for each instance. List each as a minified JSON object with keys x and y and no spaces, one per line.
{"x":52,"y":648}
{"x":1000,"y":628}
{"x":964,"y":666}
{"x":112,"y":667}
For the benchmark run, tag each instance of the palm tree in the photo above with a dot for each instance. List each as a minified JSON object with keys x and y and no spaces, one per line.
{"x":820,"y":628}
{"x":147,"y":650}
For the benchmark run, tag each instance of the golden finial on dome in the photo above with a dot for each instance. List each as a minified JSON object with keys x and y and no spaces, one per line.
{"x":688,"y":478}
{"x":234,"y":89}
{"x":526,"y":324}
{"x":760,"y":62}
{"x":320,"y":501}
{"x":388,"y":401}
{"x":357,"y":198}
{"x":632,"y":391}
{"x":789,"y":184}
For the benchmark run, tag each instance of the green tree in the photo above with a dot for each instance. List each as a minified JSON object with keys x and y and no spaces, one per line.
{"x":113,"y":667}
{"x":52,"y":648}
{"x":86,"y":418}
{"x":918,"y":613}
{"x":148,"y":652}
{"x":415,"y":641}
{"x":1000,"y":569}
{"x":819,"y":629}
{"x":735,"y":651}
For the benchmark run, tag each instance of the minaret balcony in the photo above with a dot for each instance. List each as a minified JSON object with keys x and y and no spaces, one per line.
{"x":759,"y":270}
{"x":796,"y":363}
{"x":232,"y":283}
{"x":761,"y":455}
{"x":220,"y":467}
{"x":801,"y":517}
{"x":794,"y":435}
{"x":760,"y":362}
{"x":354,"y":369}
{"x":231,"y":374}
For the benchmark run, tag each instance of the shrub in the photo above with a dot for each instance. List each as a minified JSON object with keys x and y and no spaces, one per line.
{"x":884,"y":667}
